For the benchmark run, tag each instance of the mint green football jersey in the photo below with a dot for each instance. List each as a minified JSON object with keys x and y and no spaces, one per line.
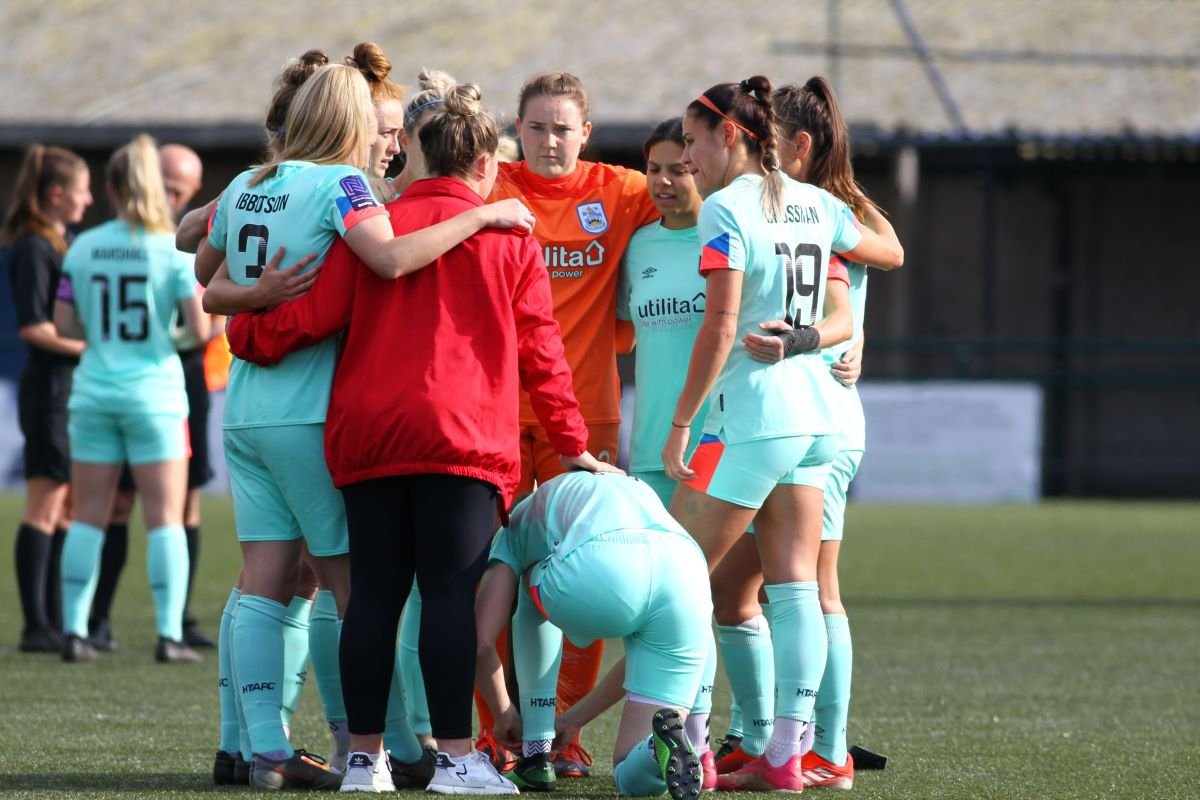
{"x":303,"y":207}
{"x":851,"y":421}
{"x":573,"y":508}
{"x":662,"y":293}
{"x":784,"y":261}
{"x":126,"y":285}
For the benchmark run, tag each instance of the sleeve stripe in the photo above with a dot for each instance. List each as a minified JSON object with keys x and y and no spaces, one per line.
{"x":715,"y":254}
{"x":354,"y":216}
{"x":838,"y":271}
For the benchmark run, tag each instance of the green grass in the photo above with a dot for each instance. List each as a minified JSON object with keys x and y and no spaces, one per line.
{"x":1000,"y":652}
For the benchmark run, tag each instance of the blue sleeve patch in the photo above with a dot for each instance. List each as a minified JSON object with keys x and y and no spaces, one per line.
{"x":720,"y":244}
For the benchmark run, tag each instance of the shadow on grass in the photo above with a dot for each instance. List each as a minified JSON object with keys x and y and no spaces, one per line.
{"x":135,"y":782}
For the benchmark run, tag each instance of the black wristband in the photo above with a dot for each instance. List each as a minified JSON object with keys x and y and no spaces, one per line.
{"x":804,"y":339}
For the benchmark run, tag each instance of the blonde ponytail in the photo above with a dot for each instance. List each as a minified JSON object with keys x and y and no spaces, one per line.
{"x":135,"y":177}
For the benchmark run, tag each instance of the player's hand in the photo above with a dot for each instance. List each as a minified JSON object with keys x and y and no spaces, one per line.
{"x":275,"y":285}
{"x":848,"y":370}
{"x":566,"y":730}
{"x":588,"y":463}
{"x":672,"y":454}
{"x":767,"y":349}
{"x":507,"y":728}
{"x":510,"y":213}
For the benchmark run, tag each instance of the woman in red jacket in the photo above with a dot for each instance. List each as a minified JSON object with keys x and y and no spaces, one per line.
{"x":422,"y":431}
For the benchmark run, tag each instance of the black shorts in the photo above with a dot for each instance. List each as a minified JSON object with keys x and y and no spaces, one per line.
{"x":42,"y":397}
{"x":199,"y":466}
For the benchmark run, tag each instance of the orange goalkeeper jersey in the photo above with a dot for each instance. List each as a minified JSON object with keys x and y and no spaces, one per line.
{"x":584,"y":223}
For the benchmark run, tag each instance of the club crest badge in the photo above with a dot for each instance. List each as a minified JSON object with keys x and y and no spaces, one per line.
{"x":592,"y":218}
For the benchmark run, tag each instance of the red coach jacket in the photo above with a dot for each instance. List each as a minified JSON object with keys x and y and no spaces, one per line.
{"x":429,"y":372}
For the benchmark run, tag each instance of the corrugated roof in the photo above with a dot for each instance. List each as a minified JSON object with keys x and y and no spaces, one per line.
{"x":971,"y":68}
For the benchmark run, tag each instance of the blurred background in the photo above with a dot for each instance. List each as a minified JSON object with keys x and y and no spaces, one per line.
{"x":1040,"y":159}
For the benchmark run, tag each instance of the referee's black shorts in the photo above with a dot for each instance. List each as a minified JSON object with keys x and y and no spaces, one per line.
{"x":42,"y":396}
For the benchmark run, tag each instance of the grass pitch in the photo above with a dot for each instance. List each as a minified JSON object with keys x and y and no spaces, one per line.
{"x":1000,"y":652}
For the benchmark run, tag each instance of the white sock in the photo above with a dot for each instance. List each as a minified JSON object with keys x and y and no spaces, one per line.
{"x":785,"y":740}
{"x":755,"y":623}
{"x":806,"y":741}
{"x":340,"y":733}
{"x":696,"y":728}
{"x":533,"y":747}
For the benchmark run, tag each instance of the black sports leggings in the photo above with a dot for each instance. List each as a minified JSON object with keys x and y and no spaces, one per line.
{"x":437,"y":528}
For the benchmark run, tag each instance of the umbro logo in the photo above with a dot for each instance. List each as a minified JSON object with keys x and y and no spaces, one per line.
{"x":648,"y":272}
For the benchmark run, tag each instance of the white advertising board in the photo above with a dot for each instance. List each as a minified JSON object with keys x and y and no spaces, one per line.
{"x":951,"y":442}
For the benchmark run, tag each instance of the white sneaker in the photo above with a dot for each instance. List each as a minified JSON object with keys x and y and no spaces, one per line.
{"x":469,"y":774}
{"x":367,"y":774}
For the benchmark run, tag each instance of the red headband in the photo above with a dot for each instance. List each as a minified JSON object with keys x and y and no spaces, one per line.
{"x":704,"y":101}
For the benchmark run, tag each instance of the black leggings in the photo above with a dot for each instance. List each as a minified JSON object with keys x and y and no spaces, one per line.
{"x":437,"y":528}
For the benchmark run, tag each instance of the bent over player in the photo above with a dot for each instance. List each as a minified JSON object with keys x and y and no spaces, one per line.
{"x":596,"y":556}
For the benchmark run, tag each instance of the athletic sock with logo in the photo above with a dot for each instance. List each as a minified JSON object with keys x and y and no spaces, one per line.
{"x":167,"y":566}
{"x":537,"y":647}
{"x":226,"y":693}
{"x":32,"y":558}
{"x":398,"y":736}
{"x":80,"y":568}
{"x":747,"y":652}
{"x":640,"y":774}
{"x":295,"y":655}
{"x":408,"y":664}
{"x":696,"y":724}
{"x":833,"y":698}
{"x":258,"y":664}
{"x":323,"y":642}
{"x":801,"y":646}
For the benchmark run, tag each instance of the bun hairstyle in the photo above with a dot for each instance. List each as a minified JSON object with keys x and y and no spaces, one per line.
{"x":42,"y":169}
{"x":748,"y":106}
{"x":294,"y":75}
{"x":457,"y":132}
{"x":134,"y":175}
{"x":813,"y":109}
{"x":433,"y":85}
{"x":368,"y":58}
{"x":331,"y":120}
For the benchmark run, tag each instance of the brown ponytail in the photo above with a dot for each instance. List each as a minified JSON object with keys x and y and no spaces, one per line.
{"x":813,"y":109}
{"x":748,"y":106}
{"x":42,"y":169}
